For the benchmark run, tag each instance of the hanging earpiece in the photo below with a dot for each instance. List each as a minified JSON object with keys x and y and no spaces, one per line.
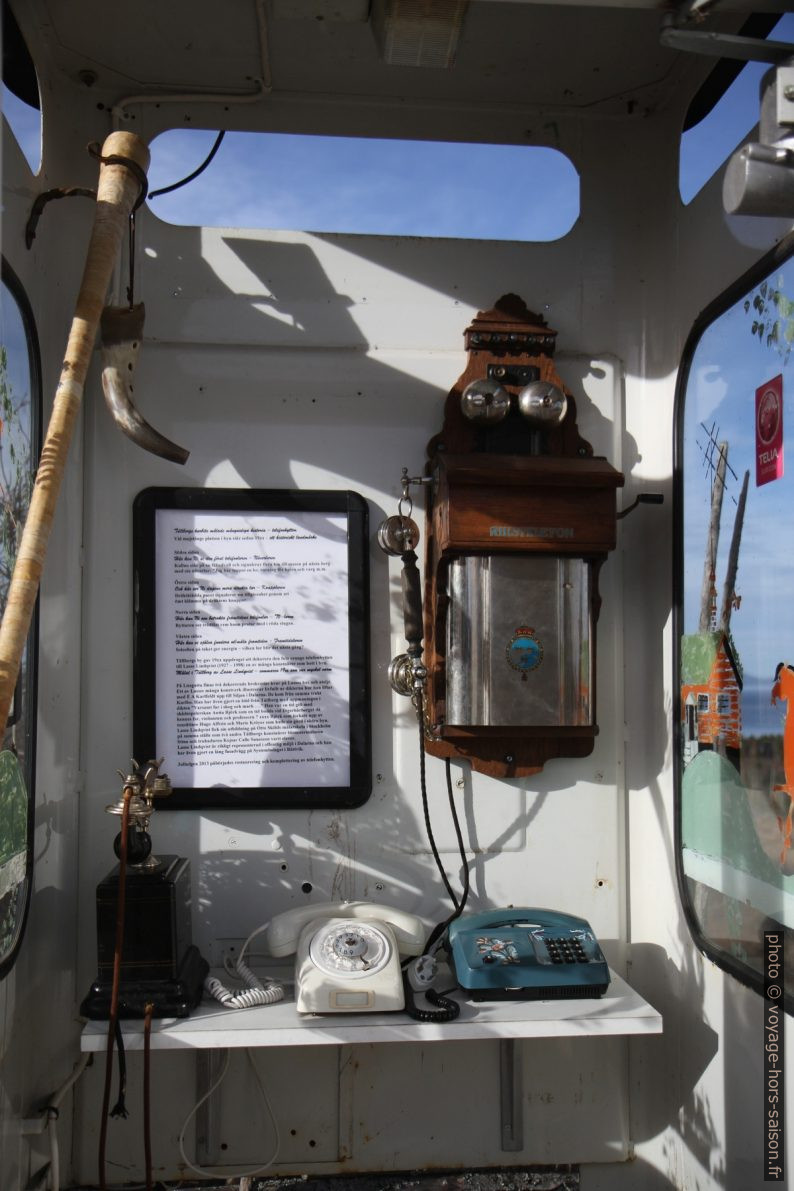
{"x":400,"y":533}
{"x":397,"y":534}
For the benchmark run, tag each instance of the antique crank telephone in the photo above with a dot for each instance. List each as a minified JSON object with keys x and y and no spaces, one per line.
{"x":143,"y":916}
{"x":519,"y":518}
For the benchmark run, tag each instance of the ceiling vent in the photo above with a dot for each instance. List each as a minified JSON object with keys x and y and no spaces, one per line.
{"x":418,"y":32}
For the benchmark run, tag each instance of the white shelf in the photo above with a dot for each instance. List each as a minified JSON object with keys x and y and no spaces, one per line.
{"x":619,"y":1011}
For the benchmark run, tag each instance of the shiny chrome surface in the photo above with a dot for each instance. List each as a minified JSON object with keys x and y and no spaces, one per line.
{"x":397,"y":534}
{"x":543,"y":403}
{"x":519,"y":641}
{"x":485,"y":401}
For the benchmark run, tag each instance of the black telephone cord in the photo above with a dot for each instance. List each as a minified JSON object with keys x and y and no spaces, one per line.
{"x":459,"y":905}
{"x":446,"y":1009}
{"x":461,"y":847}
{"x":426,"y":808}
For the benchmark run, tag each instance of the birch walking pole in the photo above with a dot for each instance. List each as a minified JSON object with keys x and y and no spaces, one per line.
{"x":124,"y":159}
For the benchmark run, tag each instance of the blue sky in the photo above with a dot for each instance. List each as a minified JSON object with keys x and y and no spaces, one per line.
{"x":381,"y":186}
{"x":387,"y":187}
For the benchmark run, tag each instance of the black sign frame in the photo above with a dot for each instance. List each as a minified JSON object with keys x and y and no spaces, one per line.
{"x":151,"y":707}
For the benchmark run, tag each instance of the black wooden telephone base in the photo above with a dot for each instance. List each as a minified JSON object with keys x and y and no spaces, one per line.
{"x":169,"y":998}
{"x":159,"y":965}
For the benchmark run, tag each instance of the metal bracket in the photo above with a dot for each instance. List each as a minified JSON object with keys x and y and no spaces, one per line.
{"x":759,"y":177}
{"x":676,"y":35}
{"x":511,"y":1100}
{"x":784,"y":95}
{"x":513,"y":374}
{"x":208,"y":1133}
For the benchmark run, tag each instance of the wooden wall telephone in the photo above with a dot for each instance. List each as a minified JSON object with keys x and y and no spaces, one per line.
{"x":519,"y":518}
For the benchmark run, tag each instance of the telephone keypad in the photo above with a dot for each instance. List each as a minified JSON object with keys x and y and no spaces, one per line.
{"x":565,"y":951}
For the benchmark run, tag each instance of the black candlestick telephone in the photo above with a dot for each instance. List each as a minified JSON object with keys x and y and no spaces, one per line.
{"x":144,"y":948}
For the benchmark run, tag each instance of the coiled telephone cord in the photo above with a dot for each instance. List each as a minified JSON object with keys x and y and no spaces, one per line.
{"x":255,"y":992}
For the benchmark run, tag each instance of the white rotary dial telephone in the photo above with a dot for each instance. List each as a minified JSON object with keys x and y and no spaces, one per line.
{"x":347,"y":954}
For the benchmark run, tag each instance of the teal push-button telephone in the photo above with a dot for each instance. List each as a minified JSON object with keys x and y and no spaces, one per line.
{"x":526,"y":954}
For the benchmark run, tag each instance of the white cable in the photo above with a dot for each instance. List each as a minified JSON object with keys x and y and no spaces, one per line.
{"x":265,"y":1099}
{"x":254,"y":993}
{"x":257,"y":931}
{"x":264,"y":85}
{"x":51,"y":1109}
{"x":79,"y":1068}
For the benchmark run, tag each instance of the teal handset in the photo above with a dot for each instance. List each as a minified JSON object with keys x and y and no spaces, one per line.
{"x":526,"y":954}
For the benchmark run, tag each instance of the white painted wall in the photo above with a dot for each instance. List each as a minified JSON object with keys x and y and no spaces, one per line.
{"x":341,"y":388}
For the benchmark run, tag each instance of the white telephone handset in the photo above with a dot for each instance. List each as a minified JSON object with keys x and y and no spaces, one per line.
{"x":347,"y":954}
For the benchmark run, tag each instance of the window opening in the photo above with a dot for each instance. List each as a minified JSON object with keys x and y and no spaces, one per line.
{"x":707,"y":145}
{"x":21,"y":106}
{"x":25,"y":123}
{"x":734,"y":572}
{"x":364,"y":185}
{"x":20,"y":400}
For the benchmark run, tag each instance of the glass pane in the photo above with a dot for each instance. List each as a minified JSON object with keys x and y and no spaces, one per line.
{"x":736,"y":642}
{"x":518,"y":641}
{"x":270,"y":180}
{"x":18,"y":426}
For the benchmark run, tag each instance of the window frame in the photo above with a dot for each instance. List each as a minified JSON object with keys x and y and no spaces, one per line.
{"x":17,"y":291}
{"x":733,"y":293}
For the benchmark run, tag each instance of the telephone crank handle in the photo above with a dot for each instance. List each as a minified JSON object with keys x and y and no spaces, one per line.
{"x":412,"y":604}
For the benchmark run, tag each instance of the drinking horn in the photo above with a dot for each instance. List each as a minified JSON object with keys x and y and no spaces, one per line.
{"x":121,"y":330}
